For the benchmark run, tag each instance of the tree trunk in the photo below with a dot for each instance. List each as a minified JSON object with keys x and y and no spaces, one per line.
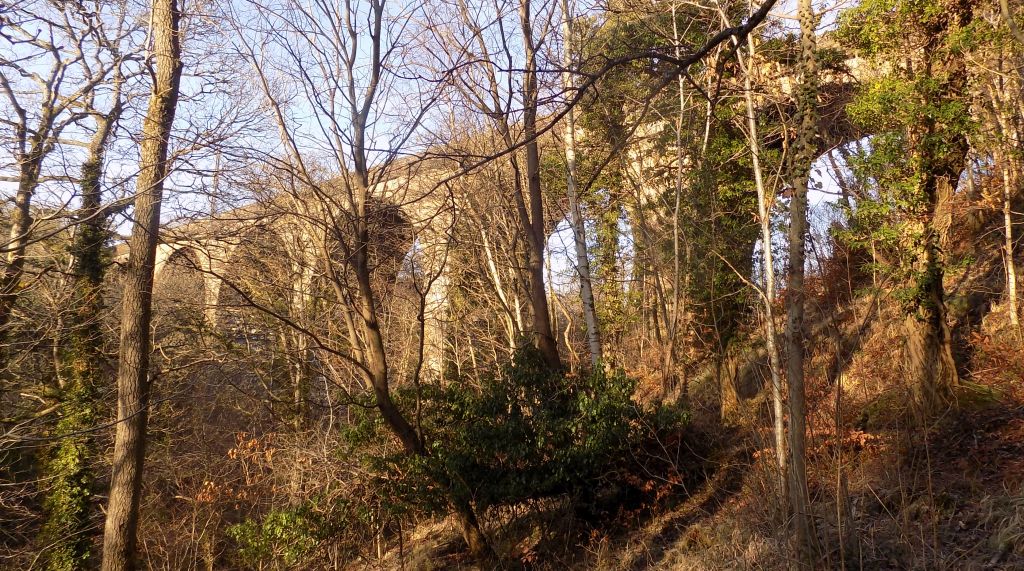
{"x":375,"y":351}
{"x":1004,"y":7}
{"x":535,"y":224}
{"x":1011,"y":266}
{"x":680,"y":290}
{"x":21,"y":224}
{"x":576,"y":216}
{"x":938,"y":168}
{"x":803,"y":155}
{"x":133,"y":383}
{"x":1003,"y":119}
{"x":929,"y":349}
{"x":377,"y":367}
{"x":768,"y":295}
{"x":929,"y":343}
{"x":68,"y":501}
{"x":474,"y":537}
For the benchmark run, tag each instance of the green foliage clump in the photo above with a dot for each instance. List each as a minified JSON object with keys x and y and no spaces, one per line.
{"x":530,"y":432}
{"x":69,"y":494}
{"x":284,"y":537}
{"x":523,"y":433}
{"x":918,"y":112}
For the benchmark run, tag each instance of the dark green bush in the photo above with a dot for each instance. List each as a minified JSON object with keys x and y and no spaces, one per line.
{"x":523,"y":433}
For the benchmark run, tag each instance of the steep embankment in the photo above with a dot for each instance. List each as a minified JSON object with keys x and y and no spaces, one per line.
{"x":887,"y":493}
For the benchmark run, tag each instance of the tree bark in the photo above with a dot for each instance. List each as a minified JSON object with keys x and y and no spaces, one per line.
{"x":680,"y":287}
{"x":133,"y":382}
{"x":529,"y":203}
{"x":1011,"y":265}
{"x":70,"y":495}
{"x":358,"y":296}
{"x":375,"y":352}
{"x":576,"y":216}
{"x":1004,"y":121}
{"x":938,"y":153}
{"x":376,"y":360}
{"x":768,"y":295}
{"x":1004,"y":7}
{"x":30,"y":165}
{"x":534,"y":225}
{"x":803,"y":155}
{"x":929,"y":343}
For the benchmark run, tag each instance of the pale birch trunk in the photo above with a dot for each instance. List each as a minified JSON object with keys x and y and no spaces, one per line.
{"x":1011,"y":266}
{"x":576,"y":216}
{"x":768,"y":294}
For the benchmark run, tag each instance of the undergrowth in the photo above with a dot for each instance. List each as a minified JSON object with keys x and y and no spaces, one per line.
{"x":521,"y":435}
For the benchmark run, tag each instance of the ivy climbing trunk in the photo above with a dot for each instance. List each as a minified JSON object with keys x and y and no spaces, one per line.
{"x":133,"y":382}
{"x":68,"y":501}
{"x":929,"y":343}
{"x":800,"y":165}
{"x":938,"y":149}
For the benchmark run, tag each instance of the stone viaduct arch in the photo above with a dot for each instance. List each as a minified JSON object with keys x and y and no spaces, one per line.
{"x":289,"y":233}
{"x":214,"y":244}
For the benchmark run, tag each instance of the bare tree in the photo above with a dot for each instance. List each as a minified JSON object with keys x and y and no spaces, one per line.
{"x":133,"y":380}
{"x":69,"y":498}
{"x":533,"y":223}
{"x":502,"y":85}
{"x":768,"y":293}
{"x":344,"y":57}
{"x":62,"y":72}
{"x":1005,"y":119}
{"x":53,"y":61}
{"x":575,"y":214}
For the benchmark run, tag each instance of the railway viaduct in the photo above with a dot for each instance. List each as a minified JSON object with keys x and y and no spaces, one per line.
{"x":287,"y":229}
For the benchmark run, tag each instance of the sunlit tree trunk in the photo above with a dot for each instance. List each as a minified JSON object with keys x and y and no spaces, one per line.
{"x":998,"y":92}
{"x":347,"y":208}
{"x":800,"y":164}
{"x":938,"y":151}
{"x":1011,"y":265}
{"x":534,"y":223}
{"x":1004,"y":7}
{"x":492,"y":99}
{"x":768,"y":295}
{"x":133,"y":382}
{"x":929,"y":344}
{"x":30,"y":164}
{"x":575,"y":215}
{"x":679,"y":292}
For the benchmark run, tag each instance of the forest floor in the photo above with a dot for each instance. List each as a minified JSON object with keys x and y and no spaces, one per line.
{"x":887,"y":493}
